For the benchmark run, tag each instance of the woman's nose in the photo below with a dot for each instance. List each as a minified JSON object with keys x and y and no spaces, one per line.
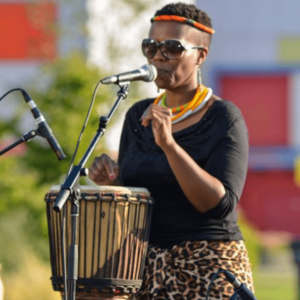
{"x":159,"y":55}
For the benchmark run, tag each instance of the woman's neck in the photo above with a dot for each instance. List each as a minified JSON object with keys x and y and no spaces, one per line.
{"x":177,"y":98}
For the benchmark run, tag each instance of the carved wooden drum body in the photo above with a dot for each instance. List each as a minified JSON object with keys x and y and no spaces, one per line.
{"x":113,"y":231}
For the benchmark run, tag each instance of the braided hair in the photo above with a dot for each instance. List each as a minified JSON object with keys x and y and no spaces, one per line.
{"x":189,"y":11}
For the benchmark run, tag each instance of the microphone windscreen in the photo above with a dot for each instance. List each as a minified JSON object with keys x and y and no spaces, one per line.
{"x":152,"y":72}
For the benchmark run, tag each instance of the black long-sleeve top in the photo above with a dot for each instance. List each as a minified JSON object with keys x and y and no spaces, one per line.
{"x":219,"y":145}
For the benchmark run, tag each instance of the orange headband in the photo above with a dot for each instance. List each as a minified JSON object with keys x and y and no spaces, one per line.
{"x":183,"y":20}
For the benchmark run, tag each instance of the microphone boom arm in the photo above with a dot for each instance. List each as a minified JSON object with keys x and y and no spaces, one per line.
{"x":26,"y":137}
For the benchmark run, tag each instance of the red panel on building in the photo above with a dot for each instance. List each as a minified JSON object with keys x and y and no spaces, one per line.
{"x":27,"y":31}
{"x":271,"y":201}
{"x":263,"y":102}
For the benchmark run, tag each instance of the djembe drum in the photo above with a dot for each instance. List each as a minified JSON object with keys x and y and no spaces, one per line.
{"x":113,"y":231}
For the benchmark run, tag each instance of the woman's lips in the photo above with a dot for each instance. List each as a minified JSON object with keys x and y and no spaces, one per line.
{"x":161,"y":71}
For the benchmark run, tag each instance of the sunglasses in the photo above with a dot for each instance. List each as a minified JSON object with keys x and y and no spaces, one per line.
{"x":171,"y":49}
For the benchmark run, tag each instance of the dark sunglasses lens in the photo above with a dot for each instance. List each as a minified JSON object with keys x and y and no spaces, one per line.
{"x":149,"y":48}
{"x":172,"y":49}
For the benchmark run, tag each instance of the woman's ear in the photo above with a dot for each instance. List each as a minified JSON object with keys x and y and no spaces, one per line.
{"x":202,"y":53}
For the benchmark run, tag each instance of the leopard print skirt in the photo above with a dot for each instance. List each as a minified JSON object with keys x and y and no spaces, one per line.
{"x":185,"y":271}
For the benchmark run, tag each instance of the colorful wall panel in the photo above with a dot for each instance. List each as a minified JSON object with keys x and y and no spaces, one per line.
{"x":27,"y":31}
{"x":263,"y":100}
{"x":289,"y":49}
{"x":271,"y":201}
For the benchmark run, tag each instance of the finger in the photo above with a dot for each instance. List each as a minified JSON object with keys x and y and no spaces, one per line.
{"x":146,"y":121}
{"x":158,"y":122}
{"x":96,"y":170}
{"x":157,"y":110}
{"x":160,"y":118}
{"x":109,"y":166}
{"x":96,"y":177}
{"x":146,"y":117}
{"x":98,"y":167}
{"x":144,"y":113}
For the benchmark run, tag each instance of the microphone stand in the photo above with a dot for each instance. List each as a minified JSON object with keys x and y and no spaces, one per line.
{"x":70,"y":189}
{"x":235,"y":296}
{"x":242,"y":293}
{"x":25,"y":138}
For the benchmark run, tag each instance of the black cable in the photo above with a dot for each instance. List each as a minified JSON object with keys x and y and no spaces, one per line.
{"x":211,"y":282}
{"x":63,"y":231}
{"x":16,"y":89}
{"x":83,"y":127}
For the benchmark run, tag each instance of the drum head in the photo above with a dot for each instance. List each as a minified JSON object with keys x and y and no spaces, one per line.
{"x":107,"y":189}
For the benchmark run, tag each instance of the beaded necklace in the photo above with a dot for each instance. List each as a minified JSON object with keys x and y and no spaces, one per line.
{"x":174,"y":109}
{"x":183,"y":111}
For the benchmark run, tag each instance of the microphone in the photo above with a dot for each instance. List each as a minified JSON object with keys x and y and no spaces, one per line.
{"x":146,"y":73}
{"x":43,"y":128}
{"x":240,"y":288}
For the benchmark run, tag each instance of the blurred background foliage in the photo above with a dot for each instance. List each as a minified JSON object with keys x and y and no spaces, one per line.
{"x":65,"y":102}
{"x":64,"y":93}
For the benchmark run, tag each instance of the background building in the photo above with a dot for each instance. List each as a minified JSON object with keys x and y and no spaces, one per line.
{"x":33,"y":33}
{"x":254,"y":62}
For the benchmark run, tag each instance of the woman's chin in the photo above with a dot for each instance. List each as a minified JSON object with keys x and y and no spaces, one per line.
{"x":162,"y":84}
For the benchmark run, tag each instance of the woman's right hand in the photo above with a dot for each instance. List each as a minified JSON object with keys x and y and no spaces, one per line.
{"x":104,"y":171}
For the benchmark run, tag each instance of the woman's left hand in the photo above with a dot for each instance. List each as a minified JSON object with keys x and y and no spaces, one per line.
{"x":161,"y":118}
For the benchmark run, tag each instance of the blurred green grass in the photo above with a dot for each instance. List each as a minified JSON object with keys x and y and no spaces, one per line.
{"x":275,"y":286}
{"x":30,"y":282}
{"x":277,"y":279}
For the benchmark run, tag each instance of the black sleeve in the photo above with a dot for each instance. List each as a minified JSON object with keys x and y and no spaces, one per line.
{"x":131,"y":123}
{"x":229,"y":163}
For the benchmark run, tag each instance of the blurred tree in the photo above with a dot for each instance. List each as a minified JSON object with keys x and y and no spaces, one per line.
{"x":63,"y":94}
{"x":65,"y":101}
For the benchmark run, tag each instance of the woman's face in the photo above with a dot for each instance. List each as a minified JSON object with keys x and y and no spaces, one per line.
{"x":179,"y":74}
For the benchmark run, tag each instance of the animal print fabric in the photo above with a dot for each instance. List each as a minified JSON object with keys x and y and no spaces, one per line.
{"x":185,"y":271}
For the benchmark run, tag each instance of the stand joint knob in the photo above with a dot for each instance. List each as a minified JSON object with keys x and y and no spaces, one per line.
{"x":84,"y":172}
{"x":103,"y":121}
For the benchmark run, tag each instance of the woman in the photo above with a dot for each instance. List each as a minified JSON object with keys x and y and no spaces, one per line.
{"x":189,"y":148}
